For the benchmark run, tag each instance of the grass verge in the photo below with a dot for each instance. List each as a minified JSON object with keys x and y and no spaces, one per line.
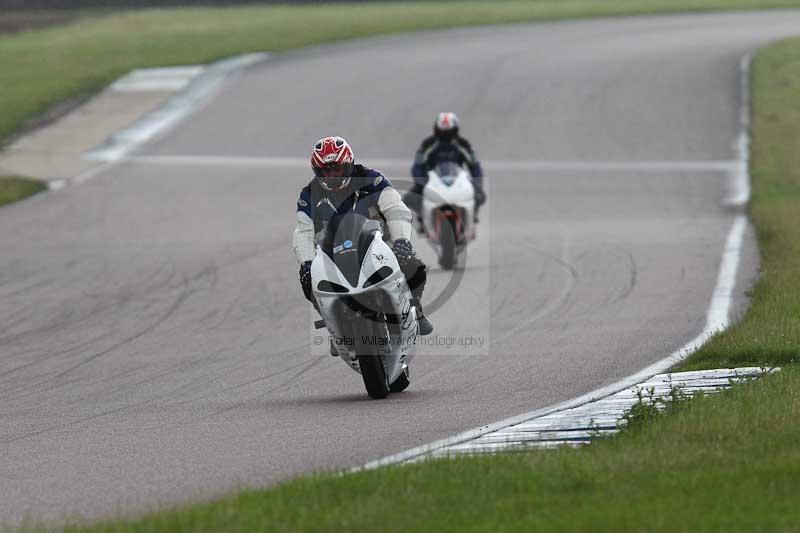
{"x":27,"y":20}
{"x":769,"y":334}
{"x":13,"y":189}
{"x":41,"y":68}
{"x":728,"y":462}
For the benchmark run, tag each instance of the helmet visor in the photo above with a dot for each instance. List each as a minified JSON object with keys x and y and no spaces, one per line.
{"x":334,"y":177}
{"x":446,"y":135}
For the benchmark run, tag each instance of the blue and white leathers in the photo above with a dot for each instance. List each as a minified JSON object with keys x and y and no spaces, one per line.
{"x":371,"y":195}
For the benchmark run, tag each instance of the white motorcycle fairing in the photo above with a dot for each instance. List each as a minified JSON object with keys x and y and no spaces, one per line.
{"x":388,"y":329}
{"x":448,"y":211}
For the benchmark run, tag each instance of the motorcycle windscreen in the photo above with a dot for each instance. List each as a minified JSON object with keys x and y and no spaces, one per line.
{"x":347,"y":238}
{"x":448,"y":172}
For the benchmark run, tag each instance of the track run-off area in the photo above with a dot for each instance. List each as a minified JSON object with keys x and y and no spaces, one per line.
{"x":155,"y":347}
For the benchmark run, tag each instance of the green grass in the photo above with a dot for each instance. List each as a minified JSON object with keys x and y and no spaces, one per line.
{"x":41,"y":68}
{"x":770,"y":331}
{"x":720,"y":463}
{"x":13,"y":189}
{"x":26,"y":20}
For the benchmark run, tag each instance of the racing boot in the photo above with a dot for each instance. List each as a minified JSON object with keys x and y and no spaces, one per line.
{"x":425,"y":326}
{"x":415,"y":272}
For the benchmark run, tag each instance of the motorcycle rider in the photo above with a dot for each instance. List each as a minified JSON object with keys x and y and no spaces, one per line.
{"x":340,"y":186}
{"x":444,"y":145}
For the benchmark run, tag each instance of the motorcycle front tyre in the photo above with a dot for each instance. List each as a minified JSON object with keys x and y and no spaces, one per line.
{"x":447,"y":241}
{"x":372,"y":365}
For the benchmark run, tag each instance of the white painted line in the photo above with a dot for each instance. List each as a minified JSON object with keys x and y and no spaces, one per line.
{"x":143,"y":86}
{"x":740,"y":180}
{"x":491,"y":165}
{"x":176,"y":109}
{"x":716,"y":320}
{"x":57,"y":185}
{"x":220,"y":161}
{"x":615,"y":166}
{"x":187,"y":101}
{"x":89,"y":174}
{"x":722,"y":298}
{"x":158,"y":79}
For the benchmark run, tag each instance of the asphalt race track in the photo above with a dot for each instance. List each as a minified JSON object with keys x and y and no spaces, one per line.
{"x":154,"y":343}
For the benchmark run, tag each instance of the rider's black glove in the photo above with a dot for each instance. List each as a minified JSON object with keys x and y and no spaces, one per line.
{"x":403,"y":251}
{"x":480,"y":196}
{"x":305,"y":282}
{"x":305,"y":274}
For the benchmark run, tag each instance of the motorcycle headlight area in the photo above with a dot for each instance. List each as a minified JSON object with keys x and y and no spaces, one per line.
{"x":329,"y":286}
{"x":376,"y":277}
{"x":379,"y":275}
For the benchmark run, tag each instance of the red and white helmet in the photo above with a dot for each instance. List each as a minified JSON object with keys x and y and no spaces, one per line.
{"x":332,"y":161}
{"x":446,"y":125}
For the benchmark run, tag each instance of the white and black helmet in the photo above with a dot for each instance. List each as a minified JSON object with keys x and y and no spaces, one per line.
{"x":446,"y":126}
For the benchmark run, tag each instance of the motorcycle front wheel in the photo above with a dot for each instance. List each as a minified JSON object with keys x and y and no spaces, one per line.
{"x":372,"y":363}
{"x":447,"y":241}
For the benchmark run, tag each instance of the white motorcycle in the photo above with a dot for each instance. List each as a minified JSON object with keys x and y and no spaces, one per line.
{"x":365,"y":303}
{"x":448,"y":210}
